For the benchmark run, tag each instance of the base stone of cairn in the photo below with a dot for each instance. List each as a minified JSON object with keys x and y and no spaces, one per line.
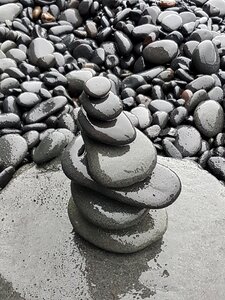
{"x":119,"y":192}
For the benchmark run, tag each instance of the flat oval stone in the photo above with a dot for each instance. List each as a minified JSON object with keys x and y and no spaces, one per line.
{"x":188,"y":140}
{"x":123,"y":43}
{"x":138,"y":237}
{"x":160,"y":52}
{"x":105,"y":109}
{"x":28,"y":99}
{"x":76,"y":80}
{"x":97,"y":87}
{"x":50,"y":147}
{"x":13,"y":149}
{"x":205,"y":58}
{"x":39,"y":48}
{"x":6,"y":63}
{"x":32,"y":86}
{"x":9,"y":120}
{"x":117,"y":170}
{"x":72,"y":16}
{"x":45,"y":109}
{"x":209,"y":118}
{"x":204,"y":82}
{"x":16,"y":54}
{"x":198,"y":97}
{"x":157,"y":191}
{"x":10,"y":11}
{"x":104,"y":211}
{"x":119,"y":131}
{"x":32,"y":138}
{"x":7,"y":84}
{"x":161,"y":105}
{"x":144,"y":30}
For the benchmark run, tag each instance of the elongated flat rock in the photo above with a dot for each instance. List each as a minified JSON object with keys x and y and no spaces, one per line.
{"x":45,"y":109}
{"x":157,"y":191}
{"x":118,"y":167}
{"x":119,"y":131}
{"x":130,"y":240}
{"x":104,"y":109}
{"x":104,"y":211}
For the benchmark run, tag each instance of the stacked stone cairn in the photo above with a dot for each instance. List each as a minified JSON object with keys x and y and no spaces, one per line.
{"x":119,"y":191}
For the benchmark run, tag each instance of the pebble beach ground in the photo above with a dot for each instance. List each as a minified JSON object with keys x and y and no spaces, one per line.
{"x":164,"y":59}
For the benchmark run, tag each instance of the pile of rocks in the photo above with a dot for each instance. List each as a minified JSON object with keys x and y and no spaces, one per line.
{"x":165,"y":59}
{"x":116,"y":181}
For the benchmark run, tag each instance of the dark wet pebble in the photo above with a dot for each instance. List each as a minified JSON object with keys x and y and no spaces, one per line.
{"x":66,"y":121}
{"x":205,"y":82}
{"x":13,"y":149}
{"x":160,"y":118}
{"x":50,"y":147}
{"x":178,"y":115}
{"x":53,"y":79}
{"x":209,"y":118}
{"x":45,"y":109}
{"x":123,"y":42}
{"x":195,"y":99}
{"x":6,"y":175}
{"x":28,"y":99}
{"x":10,"y":105}
{"x":188,"y":140}
{"x":32,"y":138}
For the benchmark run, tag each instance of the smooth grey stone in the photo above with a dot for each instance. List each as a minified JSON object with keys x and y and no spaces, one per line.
{"x":153,"y":192}
{"x":220,"y":139}
{"x":2,"y":54}
{"x":205,"y":82}
{"x":29,"y":69}
{"x":66,"y":121}
{"x":152,"y":132}
{"x":53,"y":79}
{"x":203,"y":159}
{"x":171,"y":22}
{"x":189,"y":48}
{"x":205,"y":58}
{"x":77,"y":80}
{"x":9,"y":120}
{"x":138,"y":237}
{"x":10,"y":105}
{"x":13,"y":149}
{"x":216,"y":5}
{"x":187,"y":17}
{"x":161,"y":105}
{"x":28,"y":99}
{"x":209,"y":118}
{"x":178,"y":115}
{"x":46,"y":62}
{"x":104,"y":109}
{"x":15,"y":73}
{"x":45,"y":109}
{"x":39,"y":48}
{"x":6,"y":63}
{"x":170,"y":149}
{"x":6,"y":175}
{"x":10,"y":11}
{"x":133,"y":119}
{"x":105,"y":212}
{"x":142,"y":31}
{"x":123,"y":43}
{"x":72,"y":16}
{"x":32,"y":138}
{"x":144,"y":161}
{"x":144,"y":116}
{"x":16,"y":54}
{"x":98,"y":56}
{"x":97,"y":87}
{"x":201,"y":35}
{"x":35,"y":126}
{"x":188,"y":140}
{"x":160,"y":118}
{"x":32,"y":86}
{"x":217,"y":166}
{"x":68,"y":134}
{"x":7,"y":45}
{"x":50,"y":147}
{"x":198,"y":97}
{"x":150,"y":74}
{"x":133,"y":81}
{"x":7,"y":84}
{"x":216,"y":94}
{"x":61,"y":29}
{"x":118,"y":131}
{"x":160,"y":52}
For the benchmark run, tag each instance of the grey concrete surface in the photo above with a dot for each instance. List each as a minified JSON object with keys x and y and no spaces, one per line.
{"x":41,"y":258}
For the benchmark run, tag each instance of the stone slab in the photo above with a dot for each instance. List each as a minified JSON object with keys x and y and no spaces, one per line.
{"x":40,"y":257}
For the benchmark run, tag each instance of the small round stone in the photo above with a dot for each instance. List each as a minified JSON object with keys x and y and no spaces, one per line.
{"x":97,"y":87}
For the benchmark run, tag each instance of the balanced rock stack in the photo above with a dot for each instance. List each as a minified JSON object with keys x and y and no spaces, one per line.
{"x":117,"y":185}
